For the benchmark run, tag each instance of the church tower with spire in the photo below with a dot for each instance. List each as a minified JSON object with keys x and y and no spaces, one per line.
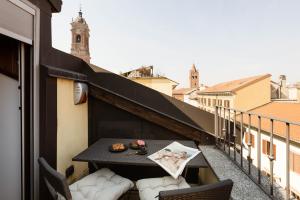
{"x":80,"y":38}
{"x":194,"y":77}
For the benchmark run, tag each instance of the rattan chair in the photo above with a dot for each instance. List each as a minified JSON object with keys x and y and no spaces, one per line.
{"x":215,"y":191}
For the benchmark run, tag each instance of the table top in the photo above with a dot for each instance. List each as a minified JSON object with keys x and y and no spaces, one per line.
{"x":99,"y":153}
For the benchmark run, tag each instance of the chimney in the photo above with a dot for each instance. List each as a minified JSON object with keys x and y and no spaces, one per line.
{"x":283,"y":92}
{"x":282,"y":80}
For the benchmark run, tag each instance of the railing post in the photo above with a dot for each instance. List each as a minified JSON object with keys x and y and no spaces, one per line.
{"x":242,"y":127}
{"x":287,"y":161}
{"x":224,"y":128}
{"x":216,"y":123}
{"x":220,"y":126}
{"x":234,"y":134}
{"x":259,"y":150}
{"x":229,"y":132}
{"x":271,"y":157}
{"x":249,"y":143}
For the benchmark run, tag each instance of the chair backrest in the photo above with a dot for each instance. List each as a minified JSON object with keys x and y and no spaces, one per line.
{"x":215,"y":191}
{"x":56,"y":183}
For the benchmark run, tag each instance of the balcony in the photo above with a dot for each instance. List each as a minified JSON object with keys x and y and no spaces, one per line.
{"x":228,"y":159}
{"x":37,"y":84}
{"x":261,"y":146}
{"x":219,"y":136}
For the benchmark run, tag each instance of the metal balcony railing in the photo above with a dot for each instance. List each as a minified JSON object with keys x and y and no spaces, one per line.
{"x":230,"y":127}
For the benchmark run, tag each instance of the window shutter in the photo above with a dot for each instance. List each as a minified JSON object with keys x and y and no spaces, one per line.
{"x":264,"y":147}
{"x":297,"y":163}
{"x":246,"y":137}
{"x":252,"y":140}
{"x":292,"y":161}
{"x":274,"y":151}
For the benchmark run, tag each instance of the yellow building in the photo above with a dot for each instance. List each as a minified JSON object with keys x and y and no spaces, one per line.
{"x":161,"y":84}
{"x":243,"y":94}
{"x":144,"y":76}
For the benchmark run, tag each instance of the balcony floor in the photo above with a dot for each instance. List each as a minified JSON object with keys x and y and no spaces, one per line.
{"x":243,"y":188}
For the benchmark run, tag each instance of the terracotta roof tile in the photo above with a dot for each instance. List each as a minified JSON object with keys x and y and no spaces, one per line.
{"x":181,"y":91}
{"x":280,"y":110}
{"x":232,"y":86}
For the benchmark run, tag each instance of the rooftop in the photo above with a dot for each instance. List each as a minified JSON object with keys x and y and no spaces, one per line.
{"x":183,"y":91}
{"x":235,"y":85}
{"x":280,"y":110}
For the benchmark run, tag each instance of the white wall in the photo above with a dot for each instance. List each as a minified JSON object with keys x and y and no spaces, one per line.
{"x":294,"y":93}
{"x":280,"y":162}
{"x":186,"y":99}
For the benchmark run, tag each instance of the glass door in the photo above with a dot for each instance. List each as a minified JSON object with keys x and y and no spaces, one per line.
{"x":10,"y":120}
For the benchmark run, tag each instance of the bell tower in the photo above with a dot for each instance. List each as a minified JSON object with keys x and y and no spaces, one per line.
{"x":194,"y":77}
{"x":80,"y":38}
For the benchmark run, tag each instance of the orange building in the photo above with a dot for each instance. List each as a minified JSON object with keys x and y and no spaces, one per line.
{"x":241,"y":94}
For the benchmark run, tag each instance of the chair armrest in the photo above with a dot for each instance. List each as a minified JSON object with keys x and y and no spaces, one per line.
{"x":182,"y":194}
{"x":220,"y":190}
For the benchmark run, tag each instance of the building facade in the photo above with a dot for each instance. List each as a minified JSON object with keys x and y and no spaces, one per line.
{"x":294,"y":92}
{"x":80,"y":38}
{"x":144,"y":76}
{"x":281,"y":110}
{"x":238,"y":94}
{"x":183,"y":94}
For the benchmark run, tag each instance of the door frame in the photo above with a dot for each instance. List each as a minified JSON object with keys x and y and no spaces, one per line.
{"x":34,"y":96}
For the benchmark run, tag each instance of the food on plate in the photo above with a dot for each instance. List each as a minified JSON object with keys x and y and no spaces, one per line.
{"x":140,"y":142}
{"x":118,"y":147}
{"x":137,"y":144}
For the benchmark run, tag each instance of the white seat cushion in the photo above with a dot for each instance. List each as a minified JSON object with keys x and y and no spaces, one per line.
{"x":150,"y":188}
{"x":103,"y":184}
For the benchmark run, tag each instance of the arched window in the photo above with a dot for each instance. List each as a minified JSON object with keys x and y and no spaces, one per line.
{"x":78,"y":38}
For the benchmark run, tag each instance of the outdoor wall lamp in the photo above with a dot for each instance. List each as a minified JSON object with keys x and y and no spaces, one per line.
{"x":80,"y":93}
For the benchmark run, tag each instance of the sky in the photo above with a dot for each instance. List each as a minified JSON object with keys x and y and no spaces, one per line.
{"x":225,"y":39}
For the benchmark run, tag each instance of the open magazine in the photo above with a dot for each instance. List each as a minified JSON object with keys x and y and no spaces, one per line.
{"x":174,"y":157}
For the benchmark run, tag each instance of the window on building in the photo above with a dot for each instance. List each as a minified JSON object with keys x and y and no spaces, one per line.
{"x":266,"y":148}
{"x":295,"y":162}
{"x":226,"y":103}
{"x":249,"y":136}
{"x":219,"y":102}
{"x":78,"y":38}
{"x":214,"y":102}
{"x":209,"y":102}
